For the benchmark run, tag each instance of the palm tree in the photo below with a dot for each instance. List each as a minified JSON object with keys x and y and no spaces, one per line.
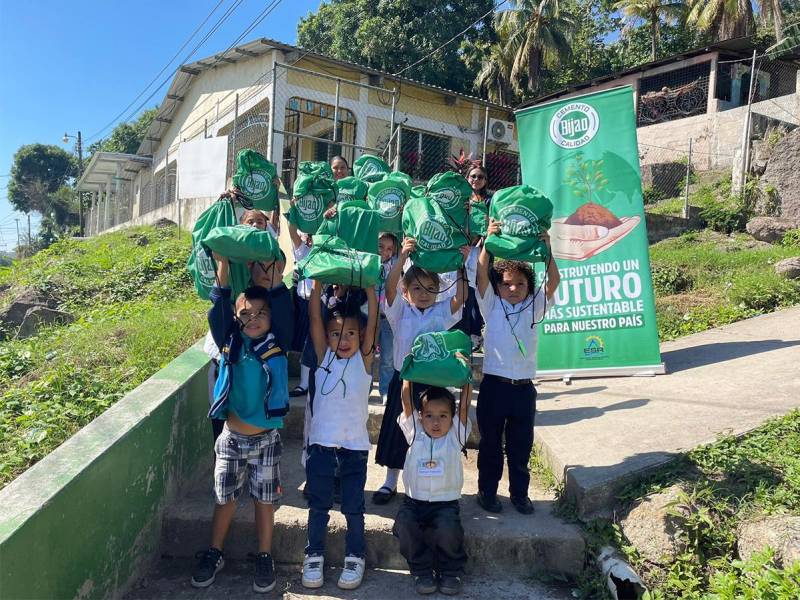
{"x":494,"y":77}
{"x":536,"y":35}
{"x":652,"y":12}
{"x":772,"y":12}
{"x":724,"y":19}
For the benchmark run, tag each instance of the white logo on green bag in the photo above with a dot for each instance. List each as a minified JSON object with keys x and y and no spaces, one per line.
{"x":205,"y":266}
{"x":430,"y":347}
{"x":256,"y":185}
{"x":389,"y":202}
{"x":519,"y":220}
{"x":447,"y":198}
{"x":344,"y":196}
{"x":574,"y":125}
{"x":433,"y":235}
{"x":309,"y":206}
{"x":370,"y":167}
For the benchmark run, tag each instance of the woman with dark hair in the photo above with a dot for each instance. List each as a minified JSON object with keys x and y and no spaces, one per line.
{"x":472,"y":322}
{"x":340,"y":167}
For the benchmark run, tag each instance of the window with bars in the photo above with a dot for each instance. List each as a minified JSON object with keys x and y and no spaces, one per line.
{"x":423,"y":154}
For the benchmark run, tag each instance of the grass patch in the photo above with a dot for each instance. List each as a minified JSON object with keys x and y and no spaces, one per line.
{"x":135,"y":309}
{"x":671,"y":207}
{"x":706,"y":279}
{"x":729,"y":481}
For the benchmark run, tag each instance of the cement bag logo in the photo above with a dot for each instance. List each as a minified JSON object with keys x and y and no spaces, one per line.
{"x":519,"y":221}
{"x":433,"y":235}
{"x":389,"y":202}
{"x":371,"y":168}
{"x":447,"y":198}
{"x":574,"y":125}
{"x":594,"y":348}
{"x":204,"y":266}
{"x":256,"y":185}
{"x":309,"y":206}
{"x":429,"y":347}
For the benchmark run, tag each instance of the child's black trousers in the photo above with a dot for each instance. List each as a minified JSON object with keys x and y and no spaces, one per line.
{"x":431,"y":537}
{"x":505,"y":408}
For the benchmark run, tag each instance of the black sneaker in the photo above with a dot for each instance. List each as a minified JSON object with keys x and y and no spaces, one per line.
{"x":424,"y":584}
{"x":523,"y":504}
{"x":489,"y":503}
{"x":450,"y":585}
{"x":264,"y":575}
{"x":209,"y":564}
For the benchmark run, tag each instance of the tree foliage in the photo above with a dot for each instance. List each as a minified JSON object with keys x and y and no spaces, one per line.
{"x":392,"y":34}
{"x":126,"y":137}
{"x":37,"y":171}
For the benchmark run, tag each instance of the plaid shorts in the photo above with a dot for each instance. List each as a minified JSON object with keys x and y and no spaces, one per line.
{"x":257,"y":456}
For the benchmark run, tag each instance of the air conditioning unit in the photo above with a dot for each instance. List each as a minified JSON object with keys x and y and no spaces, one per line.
{"x":501,"y":131}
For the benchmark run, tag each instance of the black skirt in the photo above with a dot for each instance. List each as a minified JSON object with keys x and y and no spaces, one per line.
{"x":392,"y":445}
{"x":300,"y":322}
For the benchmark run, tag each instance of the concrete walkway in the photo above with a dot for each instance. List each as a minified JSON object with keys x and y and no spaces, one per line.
{"x":598,"y":433}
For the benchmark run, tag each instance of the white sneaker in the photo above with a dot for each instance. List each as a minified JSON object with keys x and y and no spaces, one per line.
{"x":352,"y":573}
{"x":313,"y":571}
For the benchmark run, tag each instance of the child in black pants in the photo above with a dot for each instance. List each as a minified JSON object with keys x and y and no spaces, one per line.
{"x":511,"y":307}
{"x":428,"y":524}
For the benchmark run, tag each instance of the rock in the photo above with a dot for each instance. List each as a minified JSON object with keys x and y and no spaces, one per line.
{"x":162,"y":222}
{"x":652,"y":530}
{"x":39,"y":316}
{"x":15,"y":312}
{"x":783,"y":173}
{"x":780,"y":532}
{"x":789,"y":267}
{"x":665,"y":178}
{"x":770,"y":229}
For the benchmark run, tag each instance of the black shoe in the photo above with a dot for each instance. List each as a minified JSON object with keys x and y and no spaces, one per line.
{"x":489,"y":503}
{"x":209,"y":564}
{"x":337,"y":489}
{"x":383,"y":495}
{"x":298,"y":391}
{"x":425,"y":584}
{"x":450,"y":585}
{"x":523,"y":504}
{"x":264,"y":575}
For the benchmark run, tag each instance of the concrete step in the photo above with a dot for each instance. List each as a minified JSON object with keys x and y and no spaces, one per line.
{"x":169,"y":580}
{"x":507,"y":543}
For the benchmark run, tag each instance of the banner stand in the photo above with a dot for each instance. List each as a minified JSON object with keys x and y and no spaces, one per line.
{"x":567,"y":374}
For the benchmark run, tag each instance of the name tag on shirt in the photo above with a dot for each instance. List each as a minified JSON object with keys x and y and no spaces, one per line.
{"x":430,"y":468}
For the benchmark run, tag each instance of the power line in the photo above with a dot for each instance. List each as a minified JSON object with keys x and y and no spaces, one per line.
{"x":164,"y":68}
{"x":451,"y":40}
{"x":197,"y":46}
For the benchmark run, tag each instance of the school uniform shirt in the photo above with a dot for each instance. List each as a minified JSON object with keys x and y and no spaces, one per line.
{"x":340,"y":411}
{"x":407,"y":322}
{"x":433,"y":471}
{"x":304,"y":285}
{"x":509,"y":341}
{"x":471,"y":266}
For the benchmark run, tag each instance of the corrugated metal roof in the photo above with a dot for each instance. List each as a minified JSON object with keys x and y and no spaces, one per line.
{"x":185,"y":73}
{"x":742,"y":46}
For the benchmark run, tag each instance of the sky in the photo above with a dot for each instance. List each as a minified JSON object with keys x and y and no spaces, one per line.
{"x":70,"y":66}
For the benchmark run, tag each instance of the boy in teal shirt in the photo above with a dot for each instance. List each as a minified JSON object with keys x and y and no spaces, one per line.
{"x":251,"y":394}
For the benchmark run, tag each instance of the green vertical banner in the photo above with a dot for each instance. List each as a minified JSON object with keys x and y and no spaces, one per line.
{"x":583,"y":154}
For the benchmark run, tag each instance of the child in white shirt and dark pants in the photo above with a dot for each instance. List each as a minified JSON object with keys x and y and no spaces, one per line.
{"x":511,"y":307}
{"x":428,"y":524}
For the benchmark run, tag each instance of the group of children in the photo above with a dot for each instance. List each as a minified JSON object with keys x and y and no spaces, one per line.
{"x":422,"y":433}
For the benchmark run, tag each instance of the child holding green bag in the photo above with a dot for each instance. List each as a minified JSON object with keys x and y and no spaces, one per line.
{"x":512,"y":306}
{"x":410,"y":310}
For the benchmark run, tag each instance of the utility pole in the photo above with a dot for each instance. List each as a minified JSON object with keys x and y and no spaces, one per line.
{"x":746,"y":131}
{"x":29,"y":230}
{"x":18,"y":244}
{"x":80,"y":194}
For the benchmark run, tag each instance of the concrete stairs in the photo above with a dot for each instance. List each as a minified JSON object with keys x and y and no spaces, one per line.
{"x":505,"y":550}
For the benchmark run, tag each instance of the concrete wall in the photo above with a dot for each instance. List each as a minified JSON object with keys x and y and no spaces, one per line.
{"x":86,"y":520}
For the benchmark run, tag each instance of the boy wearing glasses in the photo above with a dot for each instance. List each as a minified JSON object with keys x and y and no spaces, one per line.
{"x":252,"y":395}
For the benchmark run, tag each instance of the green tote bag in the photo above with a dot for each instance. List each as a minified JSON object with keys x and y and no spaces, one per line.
{"x":438,"y":242}
{"x":254,"y":178}
{"x":525,"y":213}
{"x":433,"y":360}
{"x":331,"y":261}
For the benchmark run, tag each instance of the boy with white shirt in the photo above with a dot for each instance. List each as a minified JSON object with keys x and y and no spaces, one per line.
{"x":511,"y":307}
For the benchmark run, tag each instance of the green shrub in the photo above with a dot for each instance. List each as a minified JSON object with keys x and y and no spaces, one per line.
{"x":651,"y":195}
{"x":725,"y":216}
{"x":764,"y":292}
{"x":791,"y":239}
{"x":670,"y":279}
